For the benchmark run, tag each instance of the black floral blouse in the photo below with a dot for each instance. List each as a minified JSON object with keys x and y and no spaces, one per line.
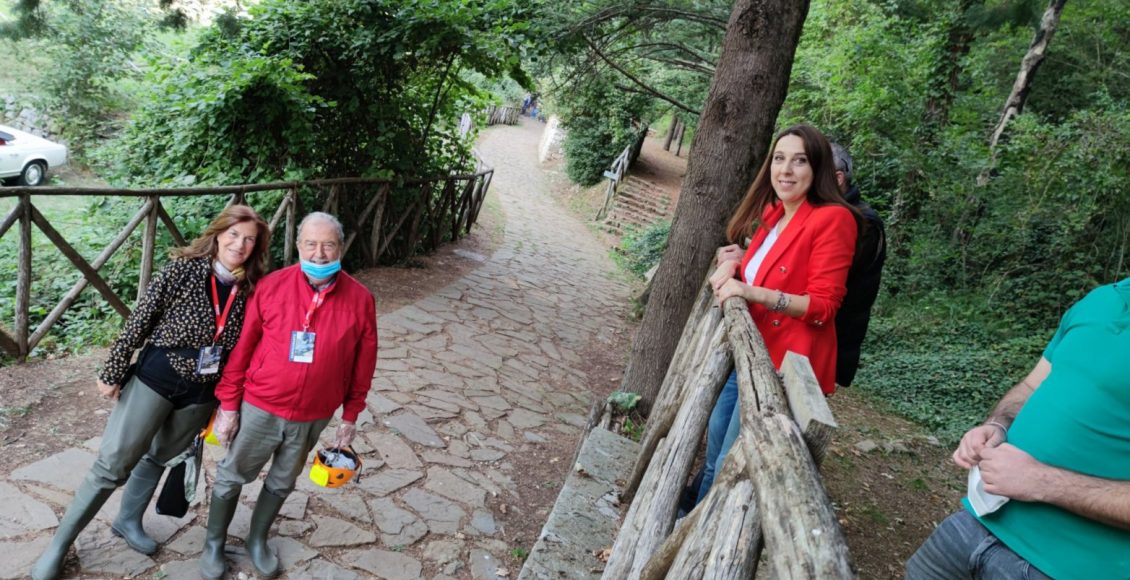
{"x":176,"y":313}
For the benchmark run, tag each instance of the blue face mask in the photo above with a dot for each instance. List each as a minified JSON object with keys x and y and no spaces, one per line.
{"x":320,"y":271}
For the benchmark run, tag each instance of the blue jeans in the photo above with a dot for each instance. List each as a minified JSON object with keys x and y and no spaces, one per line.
{"x":962,"y":548}
{"x":725,"y":421}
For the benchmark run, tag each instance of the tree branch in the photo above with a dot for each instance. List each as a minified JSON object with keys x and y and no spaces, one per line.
{"x":637,"y":81}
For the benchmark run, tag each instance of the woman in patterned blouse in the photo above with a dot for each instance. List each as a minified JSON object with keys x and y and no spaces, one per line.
{"x":188,"y":320}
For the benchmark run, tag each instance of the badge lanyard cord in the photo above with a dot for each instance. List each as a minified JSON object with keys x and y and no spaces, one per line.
{"x":319,"y":298}
{"x":221,"y":318}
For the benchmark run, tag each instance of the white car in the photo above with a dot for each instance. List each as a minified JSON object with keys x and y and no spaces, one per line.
{"x":25,"y":158}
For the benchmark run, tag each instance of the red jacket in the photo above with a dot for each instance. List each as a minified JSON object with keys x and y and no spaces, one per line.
{"x":260,"y":372}
{"x":811,"y":257}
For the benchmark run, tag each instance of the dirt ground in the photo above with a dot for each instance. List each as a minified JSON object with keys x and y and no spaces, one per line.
{"x":890,"y":483}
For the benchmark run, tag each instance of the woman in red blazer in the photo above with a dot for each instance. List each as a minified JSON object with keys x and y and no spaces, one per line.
{"x":802,"y":237}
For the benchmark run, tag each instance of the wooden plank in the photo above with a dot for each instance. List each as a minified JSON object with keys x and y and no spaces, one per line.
{"x":751,"y":359}
{"x":23,"y":278}
{"x":361,"y":220}
{"x":702,"y":322}
{"x":800,"y":528}
{"x":652,"y":513}
{"x":12,"y":217}
{"x":283,"y":204}
{"x":73,"y":294}
{"x":222,"y":189}
{"x":289,"y":234}
{"x":808,"y":404}
{"x":88,"y":272}
{"x":174,"y":231}
{"x":148,"y":248}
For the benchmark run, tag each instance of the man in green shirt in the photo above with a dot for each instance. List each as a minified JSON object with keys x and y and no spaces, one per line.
{"x":1058,"y":446}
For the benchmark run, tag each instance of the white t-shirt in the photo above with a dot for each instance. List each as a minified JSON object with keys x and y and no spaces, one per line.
{"x":759,"y":256}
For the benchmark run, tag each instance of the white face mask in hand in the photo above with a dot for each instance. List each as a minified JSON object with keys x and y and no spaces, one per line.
{"x":980,"y":500}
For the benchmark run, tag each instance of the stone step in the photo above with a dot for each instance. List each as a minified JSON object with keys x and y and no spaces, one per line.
{"x":586,"y":515}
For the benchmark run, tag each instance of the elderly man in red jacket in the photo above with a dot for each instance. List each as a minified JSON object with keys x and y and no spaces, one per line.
{"x":308,"y":346}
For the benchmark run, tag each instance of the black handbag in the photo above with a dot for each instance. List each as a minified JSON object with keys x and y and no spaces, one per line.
{"x":172,"y":501}
{"x":180,"y":485}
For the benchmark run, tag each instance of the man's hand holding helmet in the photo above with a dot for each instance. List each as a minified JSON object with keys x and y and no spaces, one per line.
{"x":227,"y":423}
{"x":345,"y":433}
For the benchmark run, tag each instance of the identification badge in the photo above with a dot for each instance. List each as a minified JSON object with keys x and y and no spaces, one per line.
{"x":208,"y":363}
{"x":301,"y":347}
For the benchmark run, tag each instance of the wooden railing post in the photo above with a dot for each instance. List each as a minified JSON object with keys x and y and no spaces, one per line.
{"x":148,"y":246}
{"x":288,"y":235}
{"x":23,"y":283}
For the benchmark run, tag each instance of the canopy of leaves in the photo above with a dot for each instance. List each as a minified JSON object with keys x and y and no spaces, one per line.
{"x":325,"y":89}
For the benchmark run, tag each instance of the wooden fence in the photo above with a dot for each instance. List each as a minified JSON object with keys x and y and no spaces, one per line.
{"x":387,"y":225}
{"x":769,"y":491}
{"x":615,"y":174}
{"x":502,"y":115}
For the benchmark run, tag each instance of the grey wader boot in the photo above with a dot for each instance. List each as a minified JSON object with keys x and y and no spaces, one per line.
{"x":266,"y":509}
{"x":135,"y":498}
{"x":220,"y":513}
{"x":88,"y":500}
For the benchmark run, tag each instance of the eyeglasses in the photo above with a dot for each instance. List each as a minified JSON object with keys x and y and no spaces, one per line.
{"x":310,"y":246}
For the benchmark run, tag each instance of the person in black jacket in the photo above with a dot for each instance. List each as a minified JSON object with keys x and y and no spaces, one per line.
{"x":863,"y":278}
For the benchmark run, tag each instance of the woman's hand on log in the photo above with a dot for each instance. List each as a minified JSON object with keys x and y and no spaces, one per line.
{"x":974,"y":441}
{"x":724,"y":273}
{"x":731,"y":252}
{"x":109,"y":391}
{"x":734,"y":287}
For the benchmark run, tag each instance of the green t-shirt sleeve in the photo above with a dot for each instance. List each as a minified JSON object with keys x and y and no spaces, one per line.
{"x":1064,"y":324}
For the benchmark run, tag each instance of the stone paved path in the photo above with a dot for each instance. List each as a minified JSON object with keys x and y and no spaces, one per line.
{"x":469,"y":378}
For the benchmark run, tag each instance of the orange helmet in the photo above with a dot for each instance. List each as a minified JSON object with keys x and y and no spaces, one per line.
{"x":209,"y":435}
{"x":334,"y":467}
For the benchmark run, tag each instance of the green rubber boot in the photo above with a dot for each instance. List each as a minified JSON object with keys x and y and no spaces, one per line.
{"x":88,"y":500}
{"x":266,"y":509}
{"x":135,"y":498}
{"x":220,"y":513}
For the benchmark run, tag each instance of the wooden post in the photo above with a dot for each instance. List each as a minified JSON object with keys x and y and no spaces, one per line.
{"x":652,"y":513}
{"x":23,"y":281}
{"x":148,"y":247}
{"x":800,"y":528}
{"x":288,"y":235}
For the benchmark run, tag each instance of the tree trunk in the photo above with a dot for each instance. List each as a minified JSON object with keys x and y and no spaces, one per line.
{"x":671,"y":132}
{"x":682,"y":130}
{"x":1036,"y":51}
{"x":734,"y":132}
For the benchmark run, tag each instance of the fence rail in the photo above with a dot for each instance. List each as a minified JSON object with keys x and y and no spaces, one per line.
{"x":437,"y":209}
{"x":615,"y":174}
{"x":768,"y":493}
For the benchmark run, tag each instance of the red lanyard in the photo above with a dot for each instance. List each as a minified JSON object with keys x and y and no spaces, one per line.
{"x":319,"y":298}
{"x":222,"y":319}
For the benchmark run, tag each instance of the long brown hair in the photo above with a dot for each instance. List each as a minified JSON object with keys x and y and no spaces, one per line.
{"x":760,"y":195}
{"x":206,"y":246}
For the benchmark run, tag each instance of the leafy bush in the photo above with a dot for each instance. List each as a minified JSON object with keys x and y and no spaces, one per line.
{"x":944,"y":361}
{"x":642,"y":248}
{"x":601,"y":120}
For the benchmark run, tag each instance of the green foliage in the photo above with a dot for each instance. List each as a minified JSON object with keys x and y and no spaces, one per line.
{"x":944,"y":360}
{"x":623,"y":401}
{"x":631,"y":429}
{"x":600,"y":121}
{"x":642,"y":249}
{"x":989,"y":251}
{"x":90,"y":44}
{"x":519,"y":553}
